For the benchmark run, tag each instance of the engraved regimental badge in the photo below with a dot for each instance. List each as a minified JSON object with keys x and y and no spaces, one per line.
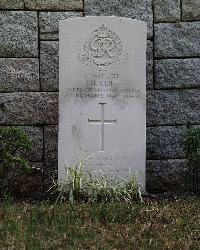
{"x":102,"y":48}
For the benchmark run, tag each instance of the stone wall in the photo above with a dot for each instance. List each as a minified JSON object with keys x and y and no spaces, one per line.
{"x":29,"y":75}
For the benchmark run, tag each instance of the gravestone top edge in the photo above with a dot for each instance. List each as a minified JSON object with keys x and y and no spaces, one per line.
{"x":89,"y":18}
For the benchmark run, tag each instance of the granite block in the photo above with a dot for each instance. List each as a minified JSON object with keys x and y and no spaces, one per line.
{"x":177,"y":73}
{"x":177,"y":40}
{"x":49,"y":65}
{"x":140,"y":9}
{"x":19,"y":74}
{"x":30,"y":108}
{"x":173,"y":107}
{"x":49,"y":23}
{"x":18,"y":34}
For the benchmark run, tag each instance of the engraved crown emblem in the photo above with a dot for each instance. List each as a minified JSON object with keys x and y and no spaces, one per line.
{"x":102,"y":32}
{"x":102,"y":48}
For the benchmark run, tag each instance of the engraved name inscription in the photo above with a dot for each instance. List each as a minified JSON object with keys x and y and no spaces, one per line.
{"x":100,"y":92}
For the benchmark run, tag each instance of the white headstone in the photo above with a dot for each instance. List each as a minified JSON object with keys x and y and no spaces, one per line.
{"x":102,"y":101}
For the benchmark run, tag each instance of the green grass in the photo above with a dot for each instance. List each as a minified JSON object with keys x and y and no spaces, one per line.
{"x":163,"y":225}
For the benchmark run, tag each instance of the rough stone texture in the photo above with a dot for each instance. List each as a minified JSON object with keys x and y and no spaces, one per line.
{"x":12,"y":4}
{"x":18,"y":34}
{"x":28,"y":108}
{"x":49,"y":23}
{"x":167,"y":10}
{"x":177,"y":73}
{"x":51,"y":155}
{"x":49,"y":66}
{"x":149,"y":65}
{"x":165,"y":142}
{"x":51,"y":146}
{"x":166,"y":175}
{"x":36,"y":136}
{"x":19,"y":74}
{"x":177,"y":40}
{"x":140,"y":9}
{"x":167,"y":107}
{"x":29,"y":185}
{"x":54,"y":4}
{"x":191,"y":10}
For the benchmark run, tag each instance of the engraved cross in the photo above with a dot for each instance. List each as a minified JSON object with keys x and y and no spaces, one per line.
{"x":102,"y":122}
